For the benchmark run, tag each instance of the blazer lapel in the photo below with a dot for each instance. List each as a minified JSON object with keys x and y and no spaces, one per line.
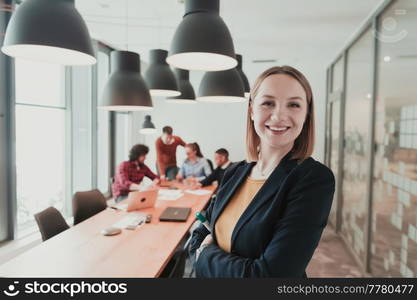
{"x":229,"y":189}
{"x":268,"y":190}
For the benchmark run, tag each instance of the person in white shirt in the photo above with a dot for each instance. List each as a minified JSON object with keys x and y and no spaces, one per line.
{"x":195,"y":167}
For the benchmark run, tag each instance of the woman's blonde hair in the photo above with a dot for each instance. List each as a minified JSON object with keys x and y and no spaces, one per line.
{"x":304,"y":143}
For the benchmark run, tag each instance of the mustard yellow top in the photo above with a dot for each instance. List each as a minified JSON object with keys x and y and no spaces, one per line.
{"x":234,"y":209}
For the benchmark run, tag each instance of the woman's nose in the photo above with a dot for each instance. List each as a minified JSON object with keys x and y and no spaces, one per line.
{"x":278,"y":114}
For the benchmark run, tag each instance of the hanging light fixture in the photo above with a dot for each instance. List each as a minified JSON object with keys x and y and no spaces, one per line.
{"x":222,"y":87}
{"x":185,"y":87}
{"x":242,"y":75}
{"x":159,"y":76}
{"x":50,"y":31}
{"x":148,"y":127}
{"x":125,"y":89}
{"x":202,"y":41}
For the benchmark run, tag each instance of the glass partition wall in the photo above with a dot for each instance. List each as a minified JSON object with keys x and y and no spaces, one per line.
{"x":334,"y":106}
{"x":374,"y":157}
{"x":357,"y":109}
{"x":394,"y":239}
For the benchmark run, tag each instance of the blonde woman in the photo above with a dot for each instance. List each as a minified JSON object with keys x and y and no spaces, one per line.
{"x":270,"y":210}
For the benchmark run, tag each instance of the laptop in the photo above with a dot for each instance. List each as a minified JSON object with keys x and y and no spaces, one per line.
{"x":141,"y":199}
{"x":175,"y":214}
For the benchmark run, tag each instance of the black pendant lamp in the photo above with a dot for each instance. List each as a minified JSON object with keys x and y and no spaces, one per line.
{"x":185,"y":87}
{"x":148,"y":127}
{"x":221,"y":87}
{"x":50,"y":31}
{"x":125,"y":90}
{"x":242,"y":75}
{"x":159,"y":76}
{"x":202,"y":41}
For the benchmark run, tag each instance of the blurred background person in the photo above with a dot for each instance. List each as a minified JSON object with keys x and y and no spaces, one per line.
{"x":129,"y":174}
{"x":221,"y":159}
{"x":195,"y":166}
{"x":166,"y":153}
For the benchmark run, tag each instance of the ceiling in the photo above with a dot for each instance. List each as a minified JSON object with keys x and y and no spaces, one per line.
{"x":295,"y":32}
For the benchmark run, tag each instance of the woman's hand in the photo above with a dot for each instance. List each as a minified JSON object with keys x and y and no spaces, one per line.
{"x":197,"y":186}
{"x":208,"y":240}
{"x":155,"y":182}
{"x":179,"y":177}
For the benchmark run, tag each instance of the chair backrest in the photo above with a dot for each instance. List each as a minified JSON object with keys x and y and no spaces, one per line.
{"x":176,"y":266}
{"x":211,"y":164}
{"x":87,"y":204}
{"x":179,"y":266}
{"x":50,"y":222}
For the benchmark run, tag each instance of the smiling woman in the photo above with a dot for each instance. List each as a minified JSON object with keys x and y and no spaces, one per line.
{"x":281,"y":97}
{"x":270,"y":210}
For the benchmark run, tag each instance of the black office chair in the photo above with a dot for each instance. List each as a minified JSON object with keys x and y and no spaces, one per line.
{"x":50,"y":223}
{"x":211,"y":164}
{"x":176,"y":266}
{"x":87,"y":204}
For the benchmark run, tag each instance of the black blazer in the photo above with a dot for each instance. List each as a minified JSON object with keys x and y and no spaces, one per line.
{"x":279,"y":231}
{"x":216,"y":175}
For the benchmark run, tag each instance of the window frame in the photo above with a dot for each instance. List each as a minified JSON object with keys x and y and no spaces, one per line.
{"x":101,"y":47}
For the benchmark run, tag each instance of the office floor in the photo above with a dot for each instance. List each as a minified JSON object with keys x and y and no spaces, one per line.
{"x":331,"y":259}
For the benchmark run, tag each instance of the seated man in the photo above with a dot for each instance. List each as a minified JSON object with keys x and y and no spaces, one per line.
{"x":221,"y":158}
{"x":130,"y":173}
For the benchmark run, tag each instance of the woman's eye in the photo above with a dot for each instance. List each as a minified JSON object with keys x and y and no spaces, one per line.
{"x":267,"y":103}
{"x":294,"y":105}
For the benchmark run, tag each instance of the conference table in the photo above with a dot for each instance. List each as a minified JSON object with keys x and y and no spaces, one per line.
{"x":82,"y":251}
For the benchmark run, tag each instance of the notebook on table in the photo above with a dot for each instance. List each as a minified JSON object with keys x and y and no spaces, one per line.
{"x":175,"y":214}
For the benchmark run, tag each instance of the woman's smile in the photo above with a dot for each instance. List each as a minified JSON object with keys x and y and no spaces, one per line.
{"x":277,"y":130}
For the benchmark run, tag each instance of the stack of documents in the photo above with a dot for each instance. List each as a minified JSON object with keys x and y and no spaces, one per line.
{"x":170,"y":195}
{"x":122,"y":206}
{"x":200,"y":192}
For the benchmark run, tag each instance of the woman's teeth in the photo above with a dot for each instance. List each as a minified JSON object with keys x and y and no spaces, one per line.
{"x":277,"y":128}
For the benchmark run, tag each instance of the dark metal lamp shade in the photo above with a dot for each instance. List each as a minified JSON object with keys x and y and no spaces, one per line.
{"x":125,"y":89}
{"x":159,"y":76}
{"x":187,"y":91}
{"x":242,"y":75}
{"x":202,"y":41}
{"x":221,"y":87}
{"x":148,"y":127}
{"x":50,"y":31}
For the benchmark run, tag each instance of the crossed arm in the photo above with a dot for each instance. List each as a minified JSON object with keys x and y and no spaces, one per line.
{"x":295,"y":236}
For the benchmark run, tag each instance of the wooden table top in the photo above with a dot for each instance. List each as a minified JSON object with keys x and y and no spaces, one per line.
{"x":82,"y":251}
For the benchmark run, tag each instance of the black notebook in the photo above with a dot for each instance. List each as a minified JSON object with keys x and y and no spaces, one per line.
{"x":175,"y":214}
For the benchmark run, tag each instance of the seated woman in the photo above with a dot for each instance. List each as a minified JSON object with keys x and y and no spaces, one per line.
{"x":130,"y":173}
{"x":270,"y":210}
{"x":195,"y":166}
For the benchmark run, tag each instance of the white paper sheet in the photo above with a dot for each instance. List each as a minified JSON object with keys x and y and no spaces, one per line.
{"x":198,"y":192}
{"x":122,"y":206}
{"x":169,"y":195}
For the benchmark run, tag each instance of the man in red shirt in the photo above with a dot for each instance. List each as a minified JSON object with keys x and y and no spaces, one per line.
{"x":130,"y":173}
{"x":166,"y":153}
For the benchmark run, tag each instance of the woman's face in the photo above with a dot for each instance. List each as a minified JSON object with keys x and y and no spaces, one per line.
{"x":279,"y":111}
{"x":191,"y":154}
